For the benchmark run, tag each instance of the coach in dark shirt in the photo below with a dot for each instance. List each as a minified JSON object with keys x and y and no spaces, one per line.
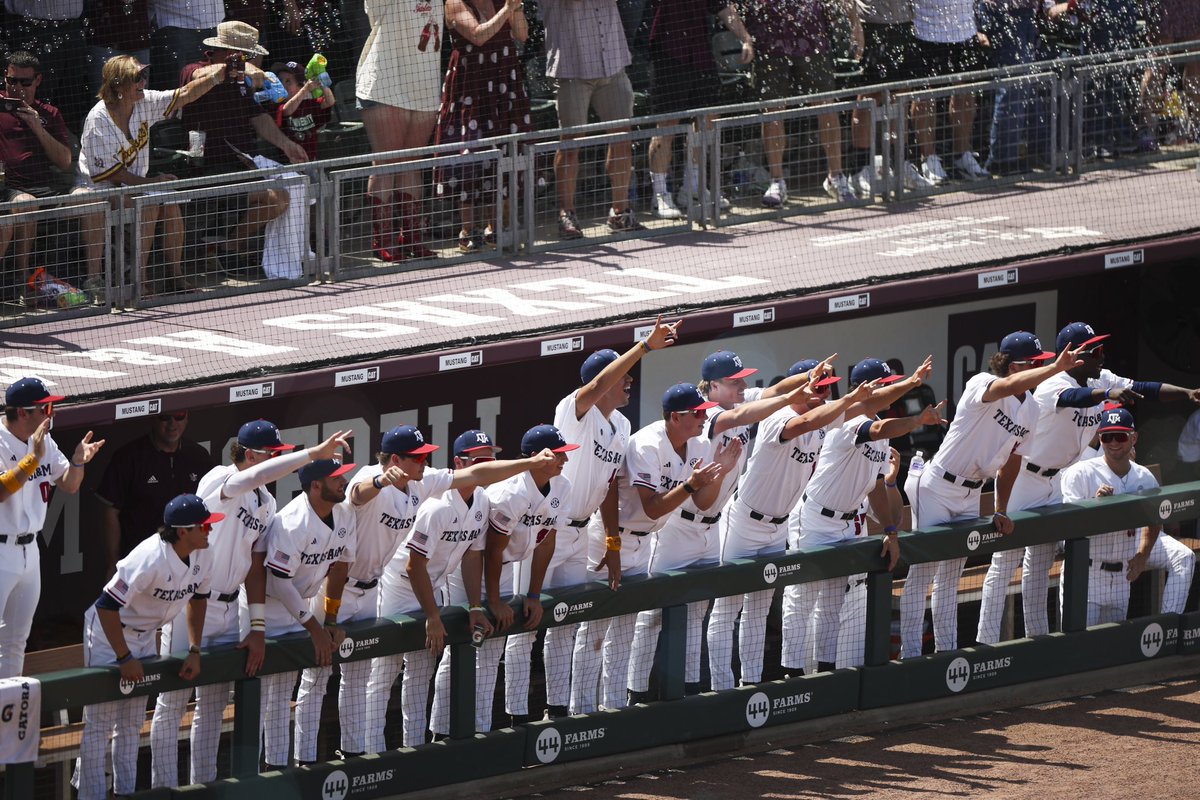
{"x":142,"y":478}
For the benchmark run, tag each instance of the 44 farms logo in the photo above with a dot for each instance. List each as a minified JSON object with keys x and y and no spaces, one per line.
{"x":551,"y":743}
{"x":1166,"y":508}
{"x":961,"y":671}
{"x":1155,"y":639}
{"x":339,"y":785}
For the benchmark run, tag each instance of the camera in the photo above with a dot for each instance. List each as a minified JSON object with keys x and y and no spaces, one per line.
{"x":9,"y":104}
{"x":235,"y":68}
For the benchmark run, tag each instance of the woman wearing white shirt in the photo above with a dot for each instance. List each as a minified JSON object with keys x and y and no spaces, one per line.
{"x":115,"y":149}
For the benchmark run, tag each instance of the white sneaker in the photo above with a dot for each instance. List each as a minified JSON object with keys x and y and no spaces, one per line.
{"x":933,"y":171}
{"x":665,"y":208}
{"x":968,"y":167}
{"x":776,"y":194}
{"x":838,"y":188}
{"x":914,"y":181}
{"x":863,"y":183}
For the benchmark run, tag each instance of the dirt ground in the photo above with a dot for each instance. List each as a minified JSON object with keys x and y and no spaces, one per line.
{"x":1142,"y":742}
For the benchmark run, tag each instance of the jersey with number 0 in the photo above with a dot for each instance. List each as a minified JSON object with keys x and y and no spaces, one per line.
{"x":301,"y":546}
{"x":652,"y":463}
{"x":446,"y":528}
{"x":729,"y":480}
{"x":849,"y":466}
{"x":1082,"y":480}
{"x":153,"y":584}
{"x":522,"y":513}
{"x":243,"y":531}
{"x":602,"y":442}
{"x":1061,"y":434}
{"x":387,"y":519}
{"x":779,"y":470}
{"x":25,"y":512}
{"x":104,"y":149}
{"x":984,"y":433}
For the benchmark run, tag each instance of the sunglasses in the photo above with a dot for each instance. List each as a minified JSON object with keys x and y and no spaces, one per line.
{"x":45,"y":408}
{"x":178,"y":416}
{"x":207,"y":526}
{"x":1120,"y":437}
{"x":695,"y":412}
{"x":15,"y":81}
{"x":1095,"y":351}
{"x":478,"y":459}
{"x":267,"y":453}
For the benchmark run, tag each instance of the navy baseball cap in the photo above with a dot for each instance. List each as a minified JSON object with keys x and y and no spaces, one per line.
{"x":808,"y":363}
{"x":870,"y":369}
{"x":29,"y":392}
{"x":472,"y":440}
{"x":594,"y":364}
{"x":685,"y":397}
{"x":1116,"y":418}
{"x":262,"y":435}
{"x":1078,"y":334}
{"x":724,"y":365}
{"x":405,"y":440}
{"x":1024,"y":346}
{"x":187,"y":510}
{"x":545,"y":437}
{"x":322,"y":468}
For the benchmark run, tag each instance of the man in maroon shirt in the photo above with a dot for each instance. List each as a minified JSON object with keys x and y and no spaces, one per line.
{"x":231,"y":119}
{"x":33,"y":137}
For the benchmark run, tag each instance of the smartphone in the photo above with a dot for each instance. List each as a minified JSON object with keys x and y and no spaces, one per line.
{"x":235,"y":68}
{"x":10,"y":104}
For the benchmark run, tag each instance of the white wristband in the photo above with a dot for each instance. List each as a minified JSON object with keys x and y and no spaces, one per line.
{"x":258,"y":611}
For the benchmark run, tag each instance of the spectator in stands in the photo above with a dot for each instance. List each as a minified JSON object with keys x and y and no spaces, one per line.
{"x":180,"y":28}
{"x":399,"y":89}
{"x":33,"y":138}
{"x":946,"y":44}
{"x":116,"y":27}
{"x":587,"y":54}
{"x":231,"y":119}
{"x":685,"y":77}
{"x":482,"y":99}
{"x":1008,"y":32}
{"x":1179,"y":21}
{"x":53,"y":31}
{"x":795,"y":42}
{"x":1111,"y":107}
{"x":115,"y":151}
{"x":1188,"y":450}
{"x":302,"y":115}
{"x":142,"y":477}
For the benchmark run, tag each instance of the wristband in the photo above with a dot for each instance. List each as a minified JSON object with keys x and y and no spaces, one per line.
{"x":378,"y":484}
{"x":28,"y":465}
{"x":687,"y":487}
{"x":891,"y":485}
{"x":1107,"y":393}
{"x":258,"y":625}
{"x":331,"y":622}
{"x":77,"y":466}
{"x":645,"y":346}
{"x":194,"y":650}
{"x":612,"y":544}
{"x":258,"y":612}
{"x":11,"y":481}
{"x":125,"y":659}
{"x":534,"y":596}
{"x":999,"y":514}
{"x":332,"y":606}
{"x":476,"y":608}
{"x":890,"y":530}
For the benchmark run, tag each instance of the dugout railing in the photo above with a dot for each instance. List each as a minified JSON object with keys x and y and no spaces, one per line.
{"x":327,"y":236}
{"x":878,"y":683}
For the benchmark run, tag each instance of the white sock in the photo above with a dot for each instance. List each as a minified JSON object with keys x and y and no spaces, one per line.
{"x":659,"y":180}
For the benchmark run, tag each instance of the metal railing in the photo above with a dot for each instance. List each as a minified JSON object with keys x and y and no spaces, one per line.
{"x":337,"y":227}
{"x":879,"y":682}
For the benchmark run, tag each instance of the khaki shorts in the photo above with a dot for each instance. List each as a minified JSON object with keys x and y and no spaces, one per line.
{"x":611,"y":97}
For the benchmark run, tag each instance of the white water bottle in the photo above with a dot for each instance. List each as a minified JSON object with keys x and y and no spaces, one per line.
{"x":917,"y":463}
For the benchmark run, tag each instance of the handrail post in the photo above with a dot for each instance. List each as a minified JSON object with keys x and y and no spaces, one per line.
{"x":247,"y":705}
{"x":670,"y":667}
{"x":462,"y":691}
{"x":878,"y":645}
{"x":1074,"y":578}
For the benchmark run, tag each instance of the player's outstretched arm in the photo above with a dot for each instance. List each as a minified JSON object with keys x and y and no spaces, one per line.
{"x":829,"y":413}
{"x":663,"y":335}
{"x":894,"y":428}
{"x":801,"y":380}
{"x":85,"y":451}
{"x":273,"y":469}
{"x":485,"y":473}
{"x":1020,"y":382}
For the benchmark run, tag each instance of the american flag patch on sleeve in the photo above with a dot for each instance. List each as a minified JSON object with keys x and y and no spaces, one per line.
{"x":420,"y":537}
{"x":502,"y":518}
{"x":644,"y":477}
{"x":281,"y":557}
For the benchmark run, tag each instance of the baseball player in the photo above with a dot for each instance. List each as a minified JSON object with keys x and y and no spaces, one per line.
{"x":237,"y":491}
{"x":691,"y":537}
{"x":994,"y":415}
{"x":387,"y":497}
{"x":1117,"y":558}
{"x":664,"y":466}
{"x":525,"y":510}
{"x":28,"y":481}
{"x":446,"y":539}
{"x":590,"y":416}
{"x":310,"y":543}
{"x":1069,"y":411}
{"x":851,"y":470}
{"x":161,"y":576}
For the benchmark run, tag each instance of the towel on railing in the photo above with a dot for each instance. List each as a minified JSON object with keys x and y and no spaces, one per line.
{"x":20,"y":720}
{"x":286,"y":236}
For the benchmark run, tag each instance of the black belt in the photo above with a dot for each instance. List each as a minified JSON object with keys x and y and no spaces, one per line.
{"x":228,"y":597}
{"x":135,"y":630}
{"x":20,"y":538}
{"x":577,"y":523}
{"x":829,"y":512}
{"x":1045,"y":473}
{"x":1110,"y":566}
{"x":957,"y":481}
{"x":364,"y":585}
{"x":633,"y":533}
{"x":690,"y":517}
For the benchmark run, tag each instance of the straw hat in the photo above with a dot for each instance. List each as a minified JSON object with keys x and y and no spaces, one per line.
{"x":237,"y":36}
